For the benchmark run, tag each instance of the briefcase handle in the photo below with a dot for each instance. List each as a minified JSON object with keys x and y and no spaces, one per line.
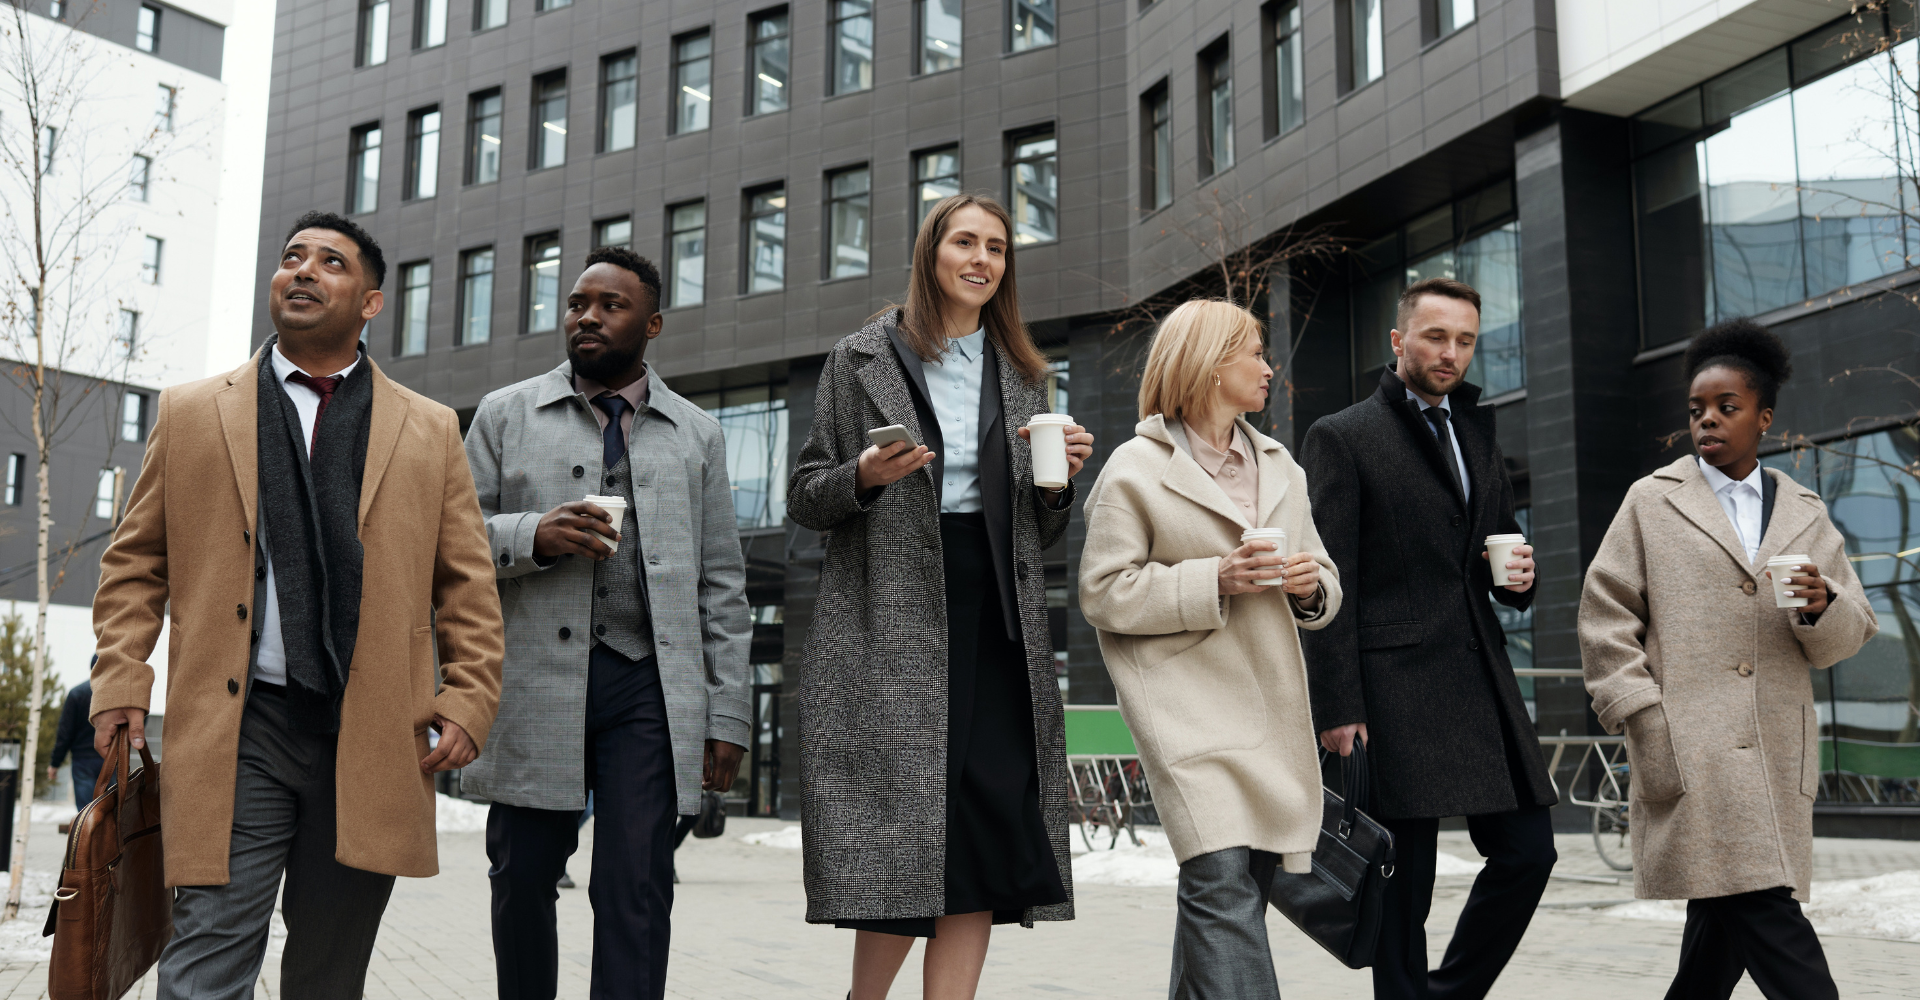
{"x":119,"y":772}
{"x":1355,"y":785}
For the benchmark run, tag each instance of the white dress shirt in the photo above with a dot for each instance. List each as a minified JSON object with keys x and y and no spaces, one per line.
{"x":270,"y":664}
{"x":954,"y":387}
{"x":1741,"y":500}
{"x":1453,"y":435}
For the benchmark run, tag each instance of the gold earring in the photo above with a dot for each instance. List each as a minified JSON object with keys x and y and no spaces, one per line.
{"x":1216,"y":380}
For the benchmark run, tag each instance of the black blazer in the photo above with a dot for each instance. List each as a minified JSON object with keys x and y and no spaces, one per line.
{"x":1416,"y":652}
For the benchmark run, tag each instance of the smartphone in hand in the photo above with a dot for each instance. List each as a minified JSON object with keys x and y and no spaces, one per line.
{"x":892,"y":434}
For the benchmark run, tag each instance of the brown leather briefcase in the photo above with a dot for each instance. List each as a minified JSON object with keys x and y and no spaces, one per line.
{"x":113,"y":912}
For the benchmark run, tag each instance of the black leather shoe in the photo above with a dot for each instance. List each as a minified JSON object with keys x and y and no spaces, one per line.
{"x":566,"y":881}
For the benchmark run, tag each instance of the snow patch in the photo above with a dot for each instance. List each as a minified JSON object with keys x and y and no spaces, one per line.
{"x":1450,"y":864}
{"x":787,"y":838}
{"x":1150,"y":864}
{"x":48,"y":812}
{"x":451,"y":815}
{"x":1884,"y":906}
{"x":20,"y":939}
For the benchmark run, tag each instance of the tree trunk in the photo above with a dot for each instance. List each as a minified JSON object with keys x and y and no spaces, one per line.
{"x":30,"y":743}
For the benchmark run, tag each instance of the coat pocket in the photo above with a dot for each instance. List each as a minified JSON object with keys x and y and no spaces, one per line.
{"x":1810,"y":752}
{"x":420,"y":672}
{"x":1387,"y":635}
{"x":1652,"y":766}
{"x":1204,"y":700}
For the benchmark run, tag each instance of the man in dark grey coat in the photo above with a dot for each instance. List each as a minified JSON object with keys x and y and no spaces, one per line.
{"x":1406,"y":486}
{"x":627,"y":634}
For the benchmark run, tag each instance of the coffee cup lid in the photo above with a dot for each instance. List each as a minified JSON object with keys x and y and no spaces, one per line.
{"x":1784,"y":560}
{"x":1050,"y":418}
{"x":1517,"y":539}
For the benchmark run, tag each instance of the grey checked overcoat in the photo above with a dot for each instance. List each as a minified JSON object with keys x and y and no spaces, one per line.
{"x":533,"y":446}
{"x":873,"y":692}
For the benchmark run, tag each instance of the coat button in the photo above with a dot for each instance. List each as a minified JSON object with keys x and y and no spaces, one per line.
{"x":259,"y":572}
{"x":578,"y":472}
{"x":506,"y":559}
{"x":256,"y":637}
{"x":1020,"y":569}
{"x":233,"y":686}
{"x":1473,"y":644}
{"x":241,"y":610}
{"x":1745,"y":669}
{"x":246,"y":536}
{"x":1748,"y":588}
{"x":610,"y":481}
{"x":666,"y":642}
{"x":599,"y":630}
{"x":565,"y":632}
{"x":602,"y":592}
{"x":1456,"y":520}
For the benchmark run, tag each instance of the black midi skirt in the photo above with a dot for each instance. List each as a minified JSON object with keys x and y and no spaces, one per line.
{"x":999,"y":857}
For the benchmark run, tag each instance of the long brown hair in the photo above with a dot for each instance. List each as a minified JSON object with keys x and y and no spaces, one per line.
{"x":921,"y":322}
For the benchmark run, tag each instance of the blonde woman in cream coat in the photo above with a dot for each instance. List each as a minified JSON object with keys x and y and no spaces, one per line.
{"x":1206,"y":660}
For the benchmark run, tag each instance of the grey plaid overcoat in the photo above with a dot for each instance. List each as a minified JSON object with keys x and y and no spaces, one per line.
{"x":533,"y":446}
{"x":873,"y":692}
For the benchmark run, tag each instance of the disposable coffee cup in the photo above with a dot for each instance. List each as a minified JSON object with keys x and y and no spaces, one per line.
{"x":1278,"y":536}
{"x":1781,"y":567}
{"x":1047,"y":434}
{"x":1499,"y":553}
{"x":616,"y":508}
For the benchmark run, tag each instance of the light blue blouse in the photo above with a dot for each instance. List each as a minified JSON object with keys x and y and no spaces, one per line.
{"x":954,"y":385}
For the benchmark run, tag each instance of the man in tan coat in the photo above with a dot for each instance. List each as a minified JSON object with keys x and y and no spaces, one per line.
{"x":313,"y":534}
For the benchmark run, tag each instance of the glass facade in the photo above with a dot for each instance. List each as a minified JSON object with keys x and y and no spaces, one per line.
{"x":766,"y":242}
{"x":429,"y":24}
{"x":852,"y":41}
{"x":1784,"y":178}
{"x":423,"y":153}
{"x":686,"y":275}
{"x":848,"y":211}
{"x":1366,"y":42}
{"x":549,"y":122}
{"x":476,"y":298}
{"x":489,"y":14}
{"x":416,"y":295}
{"x":936,"y":176}
{"x":483,"y":137}
{"x":363,"y":185}
{"x":613,"y":232}
{"x":767,"y":91}
{"x":373,"y":32}
{"x":619,"y":101}
{"x":1216,"y":111}
{"x":692,"y":82}
{"x":754,"y":421}
{"x":939,"y":35}
{"x":543,"y":283}
{"x":1156,"y":147}
{"x":1033,"y":180}
{"x":1289,"y":76}
{"x":1032,"y":26}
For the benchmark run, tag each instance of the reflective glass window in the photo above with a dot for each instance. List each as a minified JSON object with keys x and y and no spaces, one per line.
{"x":423,"y":153}
{"x":939,"y":35}
{"x":483,"y":137}
{"x":754,"y":422}
{"x":1033,"y":180}
{"x":489,"y":14}
{"x":613,"y":232}
{"x":1289,"y":83}
{"x":619,"y":101}
{"x":692,"y":82}
{"x":429,"y":23}
{"x":543,"y":284}
{"x":476,"y":298}
{"x":687,"y":254}
{"x":549,"y":121}
{"x":374,"y":16}
{"x":852,"y":40}
{"x":416,"y":295}
{"x":1033,"y":24}
{"x":847,"y":217}
{"x":766,"y":243}
{"x":936,"y":175}
{"x":768,"y":89}
{"x":363,"y":194}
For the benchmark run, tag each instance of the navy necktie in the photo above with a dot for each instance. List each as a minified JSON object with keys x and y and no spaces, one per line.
{"x":1437,"y":416}
{"x":613,"y":440}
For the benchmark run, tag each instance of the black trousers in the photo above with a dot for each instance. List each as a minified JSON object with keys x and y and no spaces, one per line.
{"x":1519,"y":850}
{"x":1763,"y":934}
{"x":629,"y":764}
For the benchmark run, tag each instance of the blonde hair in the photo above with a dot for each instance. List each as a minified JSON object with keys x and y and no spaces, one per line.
{"x":1199,"y":336}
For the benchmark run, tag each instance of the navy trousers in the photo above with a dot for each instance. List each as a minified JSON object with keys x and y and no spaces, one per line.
{"x":629,"y":764}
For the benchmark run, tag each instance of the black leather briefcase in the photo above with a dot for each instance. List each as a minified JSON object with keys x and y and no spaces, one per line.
{"x":1338,"y":904}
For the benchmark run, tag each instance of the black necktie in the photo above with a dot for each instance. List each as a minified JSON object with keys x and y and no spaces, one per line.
{"x":1437,"y":416}
{"x":613,"y":440}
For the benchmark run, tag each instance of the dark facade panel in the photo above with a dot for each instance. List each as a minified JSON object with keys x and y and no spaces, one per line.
{"x":185,"y":39}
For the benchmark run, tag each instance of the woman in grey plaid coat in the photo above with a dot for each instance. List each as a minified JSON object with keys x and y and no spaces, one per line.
{"x":932,"y":749}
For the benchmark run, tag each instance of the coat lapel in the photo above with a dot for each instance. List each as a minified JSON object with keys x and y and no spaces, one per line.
{"x":1791,"y":516}
{"x":885,"y":380}
{"x":1696,"y":502}
{"x":239,"y":407}
{"x":1425,"y":440}
{"x":1273,"y":482}
{"x":1185,"y":476}
{"x":383,"y":436}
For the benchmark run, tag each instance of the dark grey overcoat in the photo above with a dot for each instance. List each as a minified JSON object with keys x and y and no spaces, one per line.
{"x":873,"y":691}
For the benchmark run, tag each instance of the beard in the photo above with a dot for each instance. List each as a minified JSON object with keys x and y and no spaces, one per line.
{"x":609,"y":363}
{"x":1423,"y":379}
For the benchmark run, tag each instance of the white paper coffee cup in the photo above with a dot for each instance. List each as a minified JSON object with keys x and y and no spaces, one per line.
{"x":1781,"y":567}
{"x":616,"y":507}
{"x":1047,"y":435}
{"x":1499,"y":553}
{"x":1278,"y":536}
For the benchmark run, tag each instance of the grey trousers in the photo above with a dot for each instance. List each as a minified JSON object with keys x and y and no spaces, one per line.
{"x":1220,"y":949}
{"x":283,"y":823}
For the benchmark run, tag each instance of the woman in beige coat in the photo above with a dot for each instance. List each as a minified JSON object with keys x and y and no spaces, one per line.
{"x":1204,"y":656}
{"x":1685,"y":650}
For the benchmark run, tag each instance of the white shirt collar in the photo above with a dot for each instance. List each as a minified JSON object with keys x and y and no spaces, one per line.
{"x":1718,"y":481}
{"x":1446,"y":403}
{"x":970,"y":346}
{"x":283,"y":367}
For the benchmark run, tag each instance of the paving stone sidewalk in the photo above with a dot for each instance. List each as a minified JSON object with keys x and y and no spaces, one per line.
{"x":738,"y":933}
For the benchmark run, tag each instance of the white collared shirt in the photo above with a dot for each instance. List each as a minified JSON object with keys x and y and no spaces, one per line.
{"x":1742,"y":501}
{"x":1453,"y":436}
{"x":270,"y":664}
{"x":953,"y":386}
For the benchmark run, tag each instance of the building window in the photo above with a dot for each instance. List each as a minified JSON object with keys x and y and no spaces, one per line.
{"x":373,"y":32}
{"x":549,"y":121}
{"x":476,"y":298}
{"x":150,"y":260}
{"x":164,"y":97}
{"x":103,"y":495}
{"x":146,"y":29}
{"x":1156,"y":148}
{"x":429,"y":23}
{"x":546,"y":5}
{"x":766,"y":242}
{"x":489,"y":14}
{"x":16,"y":479}
{"x":613,"y":232}
{"x":140,"y":178}
{"x":416,"y":296}
{"x":754,"y":422}
{"x":1776,"y":181}
{"x":423,"y":153}
{"x":57,"y":9}
{"x":483,"y":137}
{"x":543,"y":283}
{"x":767,"y":90}
{"x":127,"y":337}
{"x":936,"y":175}
{"x":1286,"y":107}
{"x":687,"y":254}
{"x":363,"y":183}
{"x":133,"y":417}
{"x":1362,"y":36}
{"x":940,"y":31}
{"x":1216,"y":109}
{"x":1031,"y":24}
{"x":692,"y":82}
{"x":852,"y":40}
{"x":1444,"y":17}
{"x":619,"y":100}
{"x":1033,"y":181}
{"x":847,"y":217}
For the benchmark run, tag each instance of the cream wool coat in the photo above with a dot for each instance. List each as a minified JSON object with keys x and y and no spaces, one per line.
{"x":1214,"y":689}
{"x":1684,"y":650}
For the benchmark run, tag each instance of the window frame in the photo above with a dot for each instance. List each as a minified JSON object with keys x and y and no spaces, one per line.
{"x":417,"y":135}
{"x":532,"y":256}
{"x":373,"y":28}
{"x":480,"y":9}
{"x":1013,"y":8}
{"x":1213,"y":68}
{"x":1278,"y":30}
{"x":170,"y":97}
{"x":603,"y":138}
{"x":747,"y":219}
{"x":835,"y":19}
{"x":104,"y":489}
{"x":359,"y":149}
{"x":920,"y":41}
{"x":600,"y":227}
{"x":671,"y":279}
{"x":150,"y":13}
{"x":1156,"y":138}
{"x":16,"y":485}
{"x":678,"y":78}
{"x":471,"y":173}
{"x":548,"y":6}
{"x":423,"y":23}
{"x":916,"y":207}
{"x":828,"y":203}
{"x":128,"y":331}
{"x":463,"y":322}
{"x":404,"y":315}
{"x":538,"y":125}
{"x":1347,"y":40}
{"x":152,"y":259}
{"x":1433,"y":17}
{"x":754,"y":44}
{"x":1012,"y":140}
{"x":139,"y":422}
{"x":141,"y":180}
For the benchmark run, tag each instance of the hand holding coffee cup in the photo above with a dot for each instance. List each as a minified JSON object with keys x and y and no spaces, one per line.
{"x":1797,"y":584}
{"x":576,"y":528}
{"x":1257,"y":564}
{"x":1511,"y":560}
{"x":1060,"y":448}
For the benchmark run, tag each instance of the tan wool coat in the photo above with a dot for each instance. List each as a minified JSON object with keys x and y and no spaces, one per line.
{"x":1214,"y":689}
{"x":188,"y":539}
{"x":1684,"y":649}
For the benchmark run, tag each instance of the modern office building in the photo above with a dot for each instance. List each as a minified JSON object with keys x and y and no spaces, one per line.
{"x":1610,"y":181}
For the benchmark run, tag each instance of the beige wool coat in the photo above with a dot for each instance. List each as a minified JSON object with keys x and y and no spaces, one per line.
{"x":1685,"y":651}
{"x":1214,"y":689}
